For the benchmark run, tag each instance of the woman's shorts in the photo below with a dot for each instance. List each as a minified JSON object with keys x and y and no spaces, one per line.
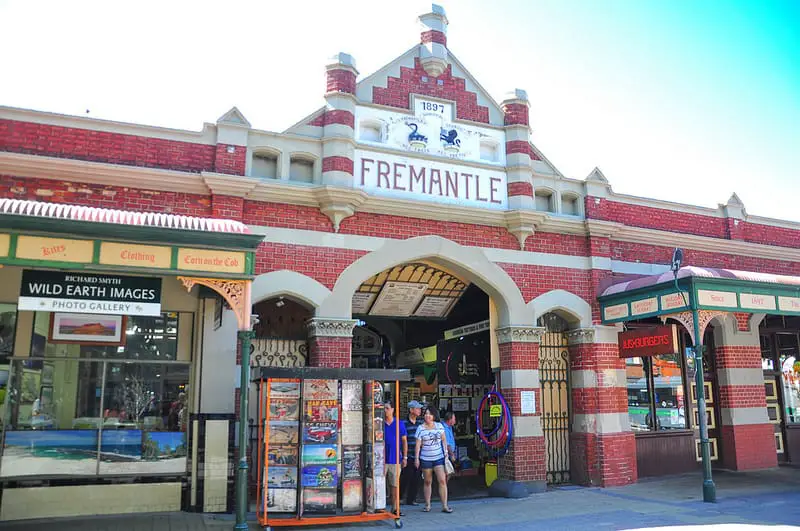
{"x":428,"y":465}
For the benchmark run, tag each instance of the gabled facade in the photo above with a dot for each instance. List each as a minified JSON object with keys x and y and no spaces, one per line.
{"x":417,"y":163}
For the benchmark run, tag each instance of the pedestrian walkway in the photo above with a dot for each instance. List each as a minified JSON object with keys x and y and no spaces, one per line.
{"x":764,"y":498}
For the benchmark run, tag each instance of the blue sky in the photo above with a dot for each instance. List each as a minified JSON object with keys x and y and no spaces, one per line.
{"x":685,"y":101}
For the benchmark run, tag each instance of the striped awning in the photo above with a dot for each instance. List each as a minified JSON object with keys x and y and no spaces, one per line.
{"x":700,"y":273}
{"x":64,"y":211}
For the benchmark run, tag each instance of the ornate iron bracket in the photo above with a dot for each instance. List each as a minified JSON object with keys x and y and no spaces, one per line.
{"x":685,"y":318}
{"x":235,"y":292}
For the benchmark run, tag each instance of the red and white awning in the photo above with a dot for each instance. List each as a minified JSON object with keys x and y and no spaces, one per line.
{"x":41,"y":209}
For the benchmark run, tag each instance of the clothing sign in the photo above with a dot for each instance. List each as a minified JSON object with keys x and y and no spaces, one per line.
{"x":649,"y":341}
{"x":78,"y":292}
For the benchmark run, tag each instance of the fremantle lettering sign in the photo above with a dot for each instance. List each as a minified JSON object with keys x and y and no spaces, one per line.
{"x":78,"y":292}
{"x":650,"y":341}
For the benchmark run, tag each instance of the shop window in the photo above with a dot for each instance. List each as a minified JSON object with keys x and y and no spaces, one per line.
{"x":656,"y":400}
{"x":264,"y":165}
{"x":83,"y":408}
{"x":301,"y":169}
{"x":544,"y":201}
{"x":8,"y":326}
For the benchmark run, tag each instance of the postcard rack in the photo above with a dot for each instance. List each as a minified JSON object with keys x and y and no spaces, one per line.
{"x":321,"y":454}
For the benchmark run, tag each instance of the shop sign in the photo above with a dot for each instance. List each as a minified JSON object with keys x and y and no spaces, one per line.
{"x":278,"y":353}
{"x":789,"y":304}
{"x":132,"y":255}
{"x":54,"y":249}
{"x":673,"y":301}
{"x":78,"y":292}
{"x":618,"y":311}
{"x":5,"y":243}
{"x":362,"y":301}
{"x":434,"y":307}
{"x":404,"y":177}
{"x":208,"y":260}
{"x":724,"y":299}
{"x":527,"y":402}
{"x":757,"y":301}
{"x":650,"y":341}
{"x":644,"y":306}
{"x":466,"y":330}
{"x":399,"y":299}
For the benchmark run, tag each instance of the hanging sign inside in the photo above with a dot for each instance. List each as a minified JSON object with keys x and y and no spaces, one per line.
{"x":650,"y":341}
{"x":78,"y":292}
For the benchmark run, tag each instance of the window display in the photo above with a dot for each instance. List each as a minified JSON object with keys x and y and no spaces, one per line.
{"x":656,"y":398}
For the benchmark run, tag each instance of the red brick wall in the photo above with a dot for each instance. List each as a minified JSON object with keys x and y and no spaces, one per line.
{"x":742,"y":396}
{"x":742,"y":321}
{"x":525,"y":460}
{"x":599,"y":400}
{"x":230,"y":163}
{"x":397,"y":92}
{"x":520,"y":189}
{"x":536,"y":280}
{"x":433,"y":36}
{"x":515,"y":114}
{"x":323,"y":264}
{"x":519,"y":355}
{"x":605,"y":461}
{"x":334,"y":117}
{"x":329,"y":351}
{"x":740,"y":357}
{"x":94,"y":195}
{"x":520,"y":146}
{"x":749,"y":446}
{"x":99,"y":146}
{"x":767,"y":234}
{"x":227,"y":207}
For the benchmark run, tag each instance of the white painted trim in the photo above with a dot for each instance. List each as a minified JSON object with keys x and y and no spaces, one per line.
{"x":519,"y":379}
{"x":291,"y":284}
{"x":601,"y":423}
{"x":637,"y":268}
{"x":584,"y":379}
{"x":604,"y":378}
{"x":740,"y":376}
{"x":528,"y":426}
{"x":739,"y":416}
{"x":563,"y":301}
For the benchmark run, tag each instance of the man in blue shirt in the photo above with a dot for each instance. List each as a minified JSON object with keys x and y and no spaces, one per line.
{"x":410,"y":477}
{"x":449,"y":419}
{"x":393,"y":464}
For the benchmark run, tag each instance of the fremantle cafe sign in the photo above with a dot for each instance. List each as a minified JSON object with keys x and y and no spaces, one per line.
{"x":78,"y":292}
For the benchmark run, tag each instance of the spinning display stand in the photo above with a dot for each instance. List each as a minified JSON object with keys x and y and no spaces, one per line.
{"x":321,"y":453}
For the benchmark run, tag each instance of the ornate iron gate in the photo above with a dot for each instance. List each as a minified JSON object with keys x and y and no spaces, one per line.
{"x":554,"y":379}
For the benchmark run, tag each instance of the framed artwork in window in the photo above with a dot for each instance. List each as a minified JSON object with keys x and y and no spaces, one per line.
{"x":86,"y":328}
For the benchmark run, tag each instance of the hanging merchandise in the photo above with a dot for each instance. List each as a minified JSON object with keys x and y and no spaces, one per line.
{"x":497,"y":430}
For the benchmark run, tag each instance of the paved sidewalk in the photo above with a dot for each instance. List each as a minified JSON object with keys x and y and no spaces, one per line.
{"x":755,"y":499}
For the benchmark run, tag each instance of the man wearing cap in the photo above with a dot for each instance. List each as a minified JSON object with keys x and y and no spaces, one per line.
{"x":410,"y":477}
{"x":394,"y":462}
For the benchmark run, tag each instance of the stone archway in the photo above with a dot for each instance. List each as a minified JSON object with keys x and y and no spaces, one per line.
{"x":575,"y":310}
{"x":284,"y":282}
{"x":468,"y":262}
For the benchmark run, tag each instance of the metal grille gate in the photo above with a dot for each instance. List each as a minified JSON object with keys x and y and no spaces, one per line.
{"x":554,"y":380}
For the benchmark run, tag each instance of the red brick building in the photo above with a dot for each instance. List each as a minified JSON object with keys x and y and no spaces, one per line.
{"x":415,"y":176}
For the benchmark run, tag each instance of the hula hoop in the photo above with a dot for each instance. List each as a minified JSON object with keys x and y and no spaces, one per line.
{"x":504,"y":430}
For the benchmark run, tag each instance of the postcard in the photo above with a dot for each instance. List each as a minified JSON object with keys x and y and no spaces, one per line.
{"x":351,"y":462}
{"x":320,"y":432}
{"x":321,"y":410}
{"x":352,"y":393}
{"x":319,"y":476}
{"x":379,"y":459}
{"x":352,"y":427}
{"x":281,"y":500}
{"x":282,"y":455}
{"x":378,"y":429}
{"x":319,"y":454}
{"x":377,"y":393}
{"x":321,"y":390}
{"x":282,"y":477}
{"x":283,"y":388}
{"x":319,"y":501}
{"x":283,"y":432}
{"x":284,"y":408}
{"x":380,"y":492}
{"x":351,"y":495}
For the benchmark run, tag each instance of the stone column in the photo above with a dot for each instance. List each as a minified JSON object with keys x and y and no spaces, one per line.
{"x":748,"y":438}
{"x":433,"y":39}
{"x":330,"y":342}
{"x":339,"y":121}
{"x":518,"y":150}
{"x":519,"y":373}
{"x":602,"y":445}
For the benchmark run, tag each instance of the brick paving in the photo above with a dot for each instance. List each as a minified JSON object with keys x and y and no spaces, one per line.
{"x":763,"y":498}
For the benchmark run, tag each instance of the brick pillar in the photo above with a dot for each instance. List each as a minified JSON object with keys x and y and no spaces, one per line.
{"x":231,"y":153}
{"x":602,"y":445}
{"x":748,"y":438}
{"x":518,"y":151}
{"x":519,"y":373}
{"x":735,"y":217}
{"x":433,"y":39}
{"x":339,"y":120}
{"x":330,"y":342}
{"x":227,"y":207}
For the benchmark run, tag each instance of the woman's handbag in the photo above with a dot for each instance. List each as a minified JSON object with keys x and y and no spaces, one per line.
{"x":449,"y":470}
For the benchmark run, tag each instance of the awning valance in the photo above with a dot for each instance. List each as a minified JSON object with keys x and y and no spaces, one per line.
{"x":707,"y":288}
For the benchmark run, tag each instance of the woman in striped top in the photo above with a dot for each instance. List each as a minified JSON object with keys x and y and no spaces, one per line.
{"x":431,"y":451}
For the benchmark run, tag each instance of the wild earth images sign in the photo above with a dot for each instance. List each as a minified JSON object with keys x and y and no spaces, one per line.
{"x":75,"y":292}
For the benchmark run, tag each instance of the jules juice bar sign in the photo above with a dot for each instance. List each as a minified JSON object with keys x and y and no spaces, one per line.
{"x":77,"y":292}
